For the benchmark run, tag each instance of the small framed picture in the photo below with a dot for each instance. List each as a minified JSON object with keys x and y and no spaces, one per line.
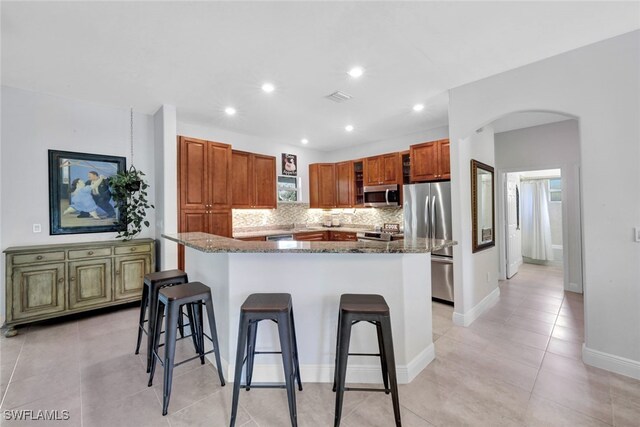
{"x":79,"y":192}
{"x":289,"y":164}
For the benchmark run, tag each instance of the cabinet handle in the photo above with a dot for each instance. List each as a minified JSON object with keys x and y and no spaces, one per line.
{"x":118,"y":272}
{"x":39,"y":257}
{"x":133,"y":249}
{"x":90,"y":253}
{"x":60,"y":280}
{"x":71,"y":279}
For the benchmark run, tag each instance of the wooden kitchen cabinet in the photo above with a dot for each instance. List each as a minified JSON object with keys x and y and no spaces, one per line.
{"x":342,"y":236}
{"x":322,"y":185}
{"x":204,"y":182}
{"x":345,"y":183}
{"x":430,"y":161}
{"x":312,"y":236}
{"x":253,"y":181}
{"x":47,"y":281}
{"x":383,"y":169}
{"x":253,"y":239}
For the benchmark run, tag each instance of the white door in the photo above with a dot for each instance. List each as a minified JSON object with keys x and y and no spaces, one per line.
{"x":514,"y":245}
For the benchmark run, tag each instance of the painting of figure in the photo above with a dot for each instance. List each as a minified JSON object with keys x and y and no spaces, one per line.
{"x":80,"y":195}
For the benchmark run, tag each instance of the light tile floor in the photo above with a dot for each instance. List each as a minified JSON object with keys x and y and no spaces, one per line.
{"x":519,"y":364}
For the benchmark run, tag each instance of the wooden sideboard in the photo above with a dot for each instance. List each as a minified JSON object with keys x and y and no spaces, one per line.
{"x":43,"y":282}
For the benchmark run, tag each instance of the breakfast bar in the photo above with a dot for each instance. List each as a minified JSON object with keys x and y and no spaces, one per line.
{"x":316,"y":274}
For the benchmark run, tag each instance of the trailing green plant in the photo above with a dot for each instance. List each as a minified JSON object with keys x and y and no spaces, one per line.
{"x":129,"y":191}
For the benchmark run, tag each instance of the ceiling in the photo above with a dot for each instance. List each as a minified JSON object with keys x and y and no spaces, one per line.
{"x":205,"y":56}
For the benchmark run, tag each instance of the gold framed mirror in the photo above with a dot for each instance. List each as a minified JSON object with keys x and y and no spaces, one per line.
{"x":483,"y":218}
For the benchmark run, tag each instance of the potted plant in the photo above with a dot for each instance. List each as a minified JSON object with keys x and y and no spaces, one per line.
{"x":129,"y":191}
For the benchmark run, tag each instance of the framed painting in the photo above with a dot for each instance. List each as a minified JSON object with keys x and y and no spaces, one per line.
{"x":79,"y":193}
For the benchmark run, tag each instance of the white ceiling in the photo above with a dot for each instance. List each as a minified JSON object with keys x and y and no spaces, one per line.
{"x":204,"y":56}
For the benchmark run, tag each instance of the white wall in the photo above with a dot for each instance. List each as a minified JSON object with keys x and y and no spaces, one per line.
{"x":33,"y":123}
{"x":391,"y":145}
{"x":475,"y":276}
{"x":258,"y":145}
{"x":166,"y":184}
{"x":555,"y":145}
{"x":599,"y":84}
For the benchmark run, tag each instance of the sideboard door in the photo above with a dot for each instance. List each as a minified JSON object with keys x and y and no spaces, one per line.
{"x":130,"y":271}
{"x":89,"y":282}
{"x":38,"y":290}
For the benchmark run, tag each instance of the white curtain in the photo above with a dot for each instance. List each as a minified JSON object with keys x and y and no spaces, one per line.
{"x":536,"y":228}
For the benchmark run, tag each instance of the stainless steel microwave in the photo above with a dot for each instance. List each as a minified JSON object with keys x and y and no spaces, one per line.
{"x":380,"y":196}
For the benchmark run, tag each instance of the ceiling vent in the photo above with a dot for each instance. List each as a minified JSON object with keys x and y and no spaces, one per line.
{"x":338,"y":96}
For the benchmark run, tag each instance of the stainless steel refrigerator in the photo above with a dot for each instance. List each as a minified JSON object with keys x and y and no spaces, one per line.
{"x":427,"y":213}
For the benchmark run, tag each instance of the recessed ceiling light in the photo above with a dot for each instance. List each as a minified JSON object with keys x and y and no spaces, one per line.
{"x":230,"y":111}
{"x":356,"y":72}
{"x":418,"y":107}
{"x":348,"y":128}
{"x":268,"y":87}
{"x":304,"y":140}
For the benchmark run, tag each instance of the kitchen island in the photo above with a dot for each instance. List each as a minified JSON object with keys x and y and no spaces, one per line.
{"x":316,"y":274}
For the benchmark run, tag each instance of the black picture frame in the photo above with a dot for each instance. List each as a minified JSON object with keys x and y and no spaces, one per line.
{"x":74,"y":208}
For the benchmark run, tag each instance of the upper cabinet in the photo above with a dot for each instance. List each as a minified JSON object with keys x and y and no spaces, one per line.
{"x":430,"y":161}
{"x":204,"y":174}
{"x":384,"y":169}
{"x":345,"y":183}
{"x":322,"y":185}
{"x":253,"y":181}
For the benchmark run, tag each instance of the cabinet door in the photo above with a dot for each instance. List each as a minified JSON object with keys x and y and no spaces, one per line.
{"x":391,"y":167}
{"x":312,"y":236}
{"x":344,"y":185}
{"x":444,"y":161}
{"x":37,"y":290}
{"x":220,"y":223}
{"x":313,"y":186}
{"x":241,"y":171}
{"x":372,"y":171}
{"x":89,"y":282}
{"x":424,"y":162}
{"x":264,"y":182}
{"x":130,"y":271}
{"x":219,"y":168}
{"x":326,"y":185}
{"x":194,"y":191}
{"x":192,"y":221}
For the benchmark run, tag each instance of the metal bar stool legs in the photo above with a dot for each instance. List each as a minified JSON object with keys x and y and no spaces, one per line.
{"x":170,"y":302}
{"x":275,"y":307}
{"x":372,"y":309}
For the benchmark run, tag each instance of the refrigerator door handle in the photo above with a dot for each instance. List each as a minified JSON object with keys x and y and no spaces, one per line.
{"x":427,"y":217}
{"x":386,"y":195}
{"x":441,"y":259}
{"x":433,"y":218}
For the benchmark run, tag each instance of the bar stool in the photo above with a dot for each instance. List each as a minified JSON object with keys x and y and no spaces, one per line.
{"x":277,"y":308}
{"x":153,"y":282}
{"x":170,"y":301}
{"x":356,"y":308}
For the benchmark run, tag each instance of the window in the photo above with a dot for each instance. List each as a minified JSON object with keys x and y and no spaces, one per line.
{"x":555,"y":190}
{"x":289,"y":189}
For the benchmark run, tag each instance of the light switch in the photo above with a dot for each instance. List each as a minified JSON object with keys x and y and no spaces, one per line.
{"x":37,"y":228}
{"x":637,"y":229}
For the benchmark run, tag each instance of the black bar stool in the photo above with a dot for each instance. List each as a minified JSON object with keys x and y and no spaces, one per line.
{"x":153,"y":282}
{"x":277,"y":308}
{"x":170,"y":300}
{"x":356,"y":308}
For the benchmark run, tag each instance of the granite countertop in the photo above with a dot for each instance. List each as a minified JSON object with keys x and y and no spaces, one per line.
{"x":275,"y":231}
{"x":217,"y":244}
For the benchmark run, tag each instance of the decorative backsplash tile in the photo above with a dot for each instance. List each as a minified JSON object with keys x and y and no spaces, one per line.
{"x":300,"y":213}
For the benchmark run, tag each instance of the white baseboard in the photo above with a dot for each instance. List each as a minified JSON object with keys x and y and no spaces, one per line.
{"x":466,"y":319}
{"x":611,"y":362}
{"x":366,"y":374}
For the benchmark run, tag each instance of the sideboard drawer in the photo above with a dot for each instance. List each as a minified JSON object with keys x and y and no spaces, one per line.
{"x":89,"y":253}
{"x":132,"y":249}
{"x":38,"y":257}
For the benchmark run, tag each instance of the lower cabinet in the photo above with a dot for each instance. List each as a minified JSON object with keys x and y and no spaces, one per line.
{"x":89,"y":282}
{"x":49,"y":281}
{"x":342,"y":236}
{"x":312,"y":236}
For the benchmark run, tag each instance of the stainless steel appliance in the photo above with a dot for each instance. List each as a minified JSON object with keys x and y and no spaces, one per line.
{"x":379,"y":236}
{"x":379,"y":196}
{"x":427,"y":213}
{"x":280,"y":237}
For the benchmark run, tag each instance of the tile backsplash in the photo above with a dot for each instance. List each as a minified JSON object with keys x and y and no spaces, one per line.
{"x":300,"y":213}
